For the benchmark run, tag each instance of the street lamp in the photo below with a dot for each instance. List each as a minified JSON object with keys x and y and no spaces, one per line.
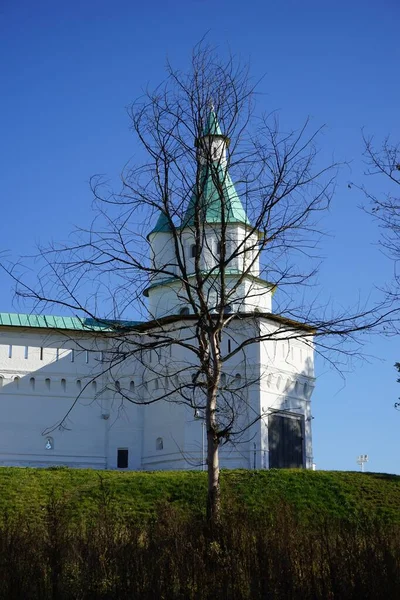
{"x":199,"y":415}
{"x":361,"y":460}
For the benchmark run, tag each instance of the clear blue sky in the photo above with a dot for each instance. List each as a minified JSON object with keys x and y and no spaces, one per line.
{"x":69,"y":69}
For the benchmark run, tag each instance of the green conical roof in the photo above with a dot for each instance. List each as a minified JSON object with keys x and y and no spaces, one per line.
{"x":215,"y":186}
{"x":161,"y":225}
{"x":212,"y":126}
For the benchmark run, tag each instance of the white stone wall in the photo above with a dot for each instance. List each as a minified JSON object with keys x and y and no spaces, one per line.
{"x":45,"y":373}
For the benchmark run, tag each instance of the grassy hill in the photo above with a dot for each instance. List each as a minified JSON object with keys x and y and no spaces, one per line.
{"x":338,"y":494}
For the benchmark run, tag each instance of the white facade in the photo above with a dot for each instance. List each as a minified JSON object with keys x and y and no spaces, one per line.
{"x":45,"y":373}
{"x":61,"y":404}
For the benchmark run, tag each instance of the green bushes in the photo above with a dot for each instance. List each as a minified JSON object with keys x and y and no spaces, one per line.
{"x":70,"y":534}
{"x":172,"y":555}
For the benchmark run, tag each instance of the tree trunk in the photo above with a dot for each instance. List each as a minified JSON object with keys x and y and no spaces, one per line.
{"x":214,"y":491}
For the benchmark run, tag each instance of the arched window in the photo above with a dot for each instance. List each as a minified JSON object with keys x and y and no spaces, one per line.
{"x":32,"y":383}
{"x":193,"y":251}
{"x":63,"y":384}
{"x":156,"y":383}
{"x":159,"y":443}
{"x":47,"y":383}
{"x":1,"y":381}
{"x":118,"y":386}
{"x":16,"y":382}
{"x":94,"y":386}
{"x":238,"y":377}
{"x":79,"y":384}
{"x":218,"y":249}
{"x":184,"y":311}
{"x":227,"y":309}
{"x":223,"y":379}
{"x":132,"y":386}
{"x":49,"y":445}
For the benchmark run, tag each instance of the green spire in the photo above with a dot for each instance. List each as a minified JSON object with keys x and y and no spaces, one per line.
{"x":212,"y":126}
{"x":215,"y":186}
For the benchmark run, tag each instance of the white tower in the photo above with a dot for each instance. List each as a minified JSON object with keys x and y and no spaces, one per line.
{"x":221,"y":219}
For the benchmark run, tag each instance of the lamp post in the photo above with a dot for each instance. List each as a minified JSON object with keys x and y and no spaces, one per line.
{"x":200,"y":416}
{"x":361,"y":460}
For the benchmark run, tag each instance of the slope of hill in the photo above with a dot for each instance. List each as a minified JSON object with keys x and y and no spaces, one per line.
{"x":345,"y":495}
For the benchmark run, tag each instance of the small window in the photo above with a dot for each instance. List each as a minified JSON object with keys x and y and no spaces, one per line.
{"x":156,"y":384}
{"x":215,"y":152}
{"x":16,"y":381}
{"x":159,"y":443}
{"x":193,"y":251}
{"x":32,"y":383}
{"x":86,"y":356}
{"x":118,"y":386}
{"x":26,"y":353}
{"x":79,"y":384}
{"x":63,"y":384}
{"x":122,"y":458}
{"x":49,"y":445}
{"x":57,"y":353}
{"x":10,"y":351}
{"x":219,"y":249}
{"x":227,"y":309}
{"x":47,"y":383}
{"x":238,"y":377}
{"x":94,"y":386}
{"x":1,"y":381}
{"x":72,"y":355}
{"x":229,"y":346}
{"x":223,"y":379}
{"x":41,"y":353}
{"x":184,"y":311}
{"x":132,"y":386}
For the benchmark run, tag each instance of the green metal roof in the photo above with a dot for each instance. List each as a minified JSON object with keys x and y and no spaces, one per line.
{"x":161,"y":225}
{"x":212,"y":126}
{"x":70,"y":323}
{"x":216,"y":189}
{"x":227,"y":273}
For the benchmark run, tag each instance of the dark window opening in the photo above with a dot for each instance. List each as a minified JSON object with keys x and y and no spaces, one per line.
{"x":193,"y":250}
{"x":184,"y":311}
{"x":122,"y":458}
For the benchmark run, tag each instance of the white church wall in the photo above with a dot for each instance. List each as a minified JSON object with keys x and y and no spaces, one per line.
{"x":42,"y":375}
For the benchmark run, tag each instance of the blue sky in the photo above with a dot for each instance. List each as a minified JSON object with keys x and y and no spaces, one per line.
{"x":68,"y":70}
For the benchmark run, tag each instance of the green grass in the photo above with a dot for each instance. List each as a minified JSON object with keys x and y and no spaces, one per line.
{"x":138,"y":494}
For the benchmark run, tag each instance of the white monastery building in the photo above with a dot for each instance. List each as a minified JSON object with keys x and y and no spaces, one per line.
{"x":63,"y":405}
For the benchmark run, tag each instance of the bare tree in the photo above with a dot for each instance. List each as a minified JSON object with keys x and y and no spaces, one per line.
{"x":384,"y":160}
{"x":201,"y":277}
